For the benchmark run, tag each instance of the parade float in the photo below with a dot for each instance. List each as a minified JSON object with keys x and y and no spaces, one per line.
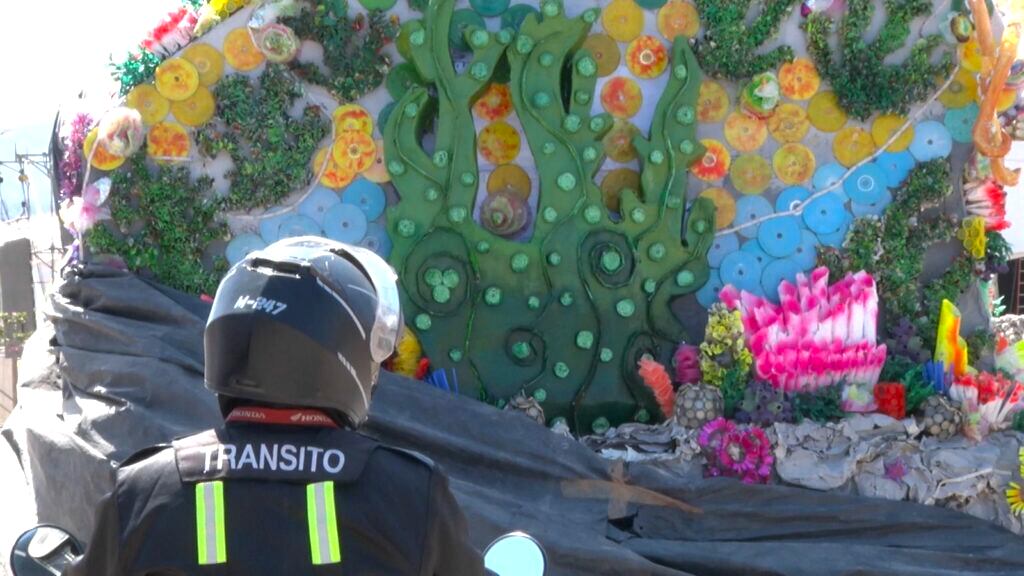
{"x":734,"y":238}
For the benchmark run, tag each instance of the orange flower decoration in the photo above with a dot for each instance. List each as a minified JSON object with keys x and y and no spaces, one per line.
{"x":744,"y":132}
{"x":168,"y":141}
{"x":495,"y":103}
{"x":101,"y":159}
{"x":750,"y":174}
{"x":794,"y":164}
{"x":799,"y":79}
{"x":352,"y":117}
{"x":334,"y":176}
{"x":646,"y":57}
{"x":499,"y":143}
{"x":621,"y":97}
{"x":354,"y":151}
{"x":714,"y":165}
{"x":712,"y":102}
{"x":789,"y":123}
{"x":240,"y":51}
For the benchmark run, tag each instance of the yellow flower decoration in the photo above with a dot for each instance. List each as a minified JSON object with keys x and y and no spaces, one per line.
{"x":972,"y":234}
{"x":1013,"y":499}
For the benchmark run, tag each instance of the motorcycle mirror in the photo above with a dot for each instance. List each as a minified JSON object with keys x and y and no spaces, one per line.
{"x":44,"y":551}
{"x":515,"y":554}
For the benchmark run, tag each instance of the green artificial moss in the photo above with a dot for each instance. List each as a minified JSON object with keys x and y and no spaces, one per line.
{"x":862,"y":80}
{"x":352,"y":47}
{"x":162,"y":225}
{"x":271,"y":150}
{"x":892,"y":249}
{"x":821,"y":406}
{"x":734,"y":389}
{"x":731,"y":47}
{"x":137,"y":68}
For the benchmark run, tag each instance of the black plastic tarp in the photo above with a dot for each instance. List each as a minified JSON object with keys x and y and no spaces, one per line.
{"x":130,"y":374}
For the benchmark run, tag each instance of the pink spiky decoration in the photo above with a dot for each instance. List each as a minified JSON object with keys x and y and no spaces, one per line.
{"x":818,"y":335}
{"x":988,"y":200}
{"x":657,"y":379}
{"x":687,"y":361}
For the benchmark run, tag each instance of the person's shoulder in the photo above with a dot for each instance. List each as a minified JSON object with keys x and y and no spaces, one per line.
{"x":405,"y":455}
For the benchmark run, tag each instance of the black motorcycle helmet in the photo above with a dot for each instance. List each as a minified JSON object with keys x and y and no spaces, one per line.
{"x":305,"y":322}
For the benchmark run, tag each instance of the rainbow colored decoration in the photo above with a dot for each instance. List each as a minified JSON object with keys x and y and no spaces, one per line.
{"x":817,"y":336}
{"x":951,"y":348}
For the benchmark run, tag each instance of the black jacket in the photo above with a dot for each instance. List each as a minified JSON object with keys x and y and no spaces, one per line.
{"x":394,"y":512}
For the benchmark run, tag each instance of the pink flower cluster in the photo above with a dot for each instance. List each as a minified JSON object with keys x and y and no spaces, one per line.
{"x":172,"y":33}
{"x":988,"y":401}
{"x":71,"y":164}
{"x":817,"y":336}
{"x":736,"y":452}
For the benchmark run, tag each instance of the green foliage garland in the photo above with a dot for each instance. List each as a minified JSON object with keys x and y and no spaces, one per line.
{"x":730,"y":46}
{"x":892,"y":249}
{"x":163,"y":223}
{"x":271,"y":150}
{"x":352,"y":47}
{"x":135,"y":69}
{"x":860,"y":78}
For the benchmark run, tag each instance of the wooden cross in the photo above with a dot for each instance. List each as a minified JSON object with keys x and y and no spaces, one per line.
{"x":620,"y":494}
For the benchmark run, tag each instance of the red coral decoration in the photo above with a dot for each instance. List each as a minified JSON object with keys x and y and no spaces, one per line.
{"x":657,"y":379}
{"x":423,"y":368}
{"x":988,"y":200}
{"x":173,"y":32}
{"x":891,"y":398}
{"x":687,"y":361}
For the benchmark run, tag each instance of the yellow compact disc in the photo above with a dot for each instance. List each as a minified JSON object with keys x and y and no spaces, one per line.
{"x":615,"y":183}
{"x":509,"y":179}
{"x":101,"y":159}
{"x":618,"y":143}
{"x":209,"y":62}
{"x":744,"y":132}
{"x":825,"y":113}
{"x":495,"y":103}
{"x":885,"y":126}
{"x":623,"y":20}
{"x":196,"y":110}
{"x":352,"y":117}
{"x":333,"y":176}
{"x":168,"y":141}
{"x":961,"y":91}
{"x":799,"y":79}
{"x":750,"y":174}
{"x":712,"y":102}
{"x":621,"y":97}
{"x":378,"y":172}
{"x":725,"y":206}
{"x":240,"y":51}
{"x":605,"y":52}
{"x":852,"y":145}
{"x":151,"y":105}
{"x":678,"y":17}
{"x":176,"y":79}
{"x":354,"y":151}
{"x":646,"y":57}
{"x":793,"y":163}
{"x":789,"y":123}
{"x":499,"y":143}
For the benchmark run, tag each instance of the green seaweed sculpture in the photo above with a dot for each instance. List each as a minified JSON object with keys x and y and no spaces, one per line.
{"x":731,"y":46}
{"x":862,"y":80}
{"x":566,"y":314}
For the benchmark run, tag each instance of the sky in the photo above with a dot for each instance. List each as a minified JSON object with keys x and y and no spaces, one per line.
{"x":52,"y":51}
{"x":49,"y":52}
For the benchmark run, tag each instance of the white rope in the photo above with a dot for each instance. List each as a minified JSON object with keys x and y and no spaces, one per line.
{"x":799,"y":208}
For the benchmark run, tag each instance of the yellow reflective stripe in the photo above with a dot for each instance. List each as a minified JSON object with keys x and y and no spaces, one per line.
{"x":324,"y":545}
{"x":210,"y":531}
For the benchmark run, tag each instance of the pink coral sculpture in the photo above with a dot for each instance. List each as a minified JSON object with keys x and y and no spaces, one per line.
{"x":818,"y":335}
{"x":687,"y":361}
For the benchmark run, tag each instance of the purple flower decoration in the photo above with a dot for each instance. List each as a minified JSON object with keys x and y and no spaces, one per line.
{"x":895,"y":469}
{"x":71,"y":163}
